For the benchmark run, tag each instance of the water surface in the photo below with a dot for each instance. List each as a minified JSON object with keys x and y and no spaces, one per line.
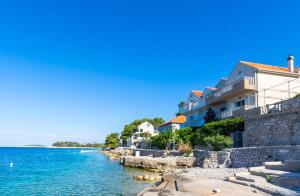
{"x":50,"y":171}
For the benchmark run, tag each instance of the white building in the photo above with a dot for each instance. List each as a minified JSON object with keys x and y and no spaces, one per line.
{"x":138,"y":139}
{"x":249,"y":85}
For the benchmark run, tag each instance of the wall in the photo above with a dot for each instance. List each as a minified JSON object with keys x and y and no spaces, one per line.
{"x":246,"y":157}
{"x":277,"y":124}
{"x":278,"y":93}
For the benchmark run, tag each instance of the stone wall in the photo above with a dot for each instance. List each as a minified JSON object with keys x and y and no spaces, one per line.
{"x":246,"y":157}
{"x":255,"y":156}
{"x":276,"y":124}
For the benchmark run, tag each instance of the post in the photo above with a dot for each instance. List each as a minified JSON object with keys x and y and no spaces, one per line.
{"x":264,"y":97}
{"x":289,"y":92}
{"x":173,"y":131}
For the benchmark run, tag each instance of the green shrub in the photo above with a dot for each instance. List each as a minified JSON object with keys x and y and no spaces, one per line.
{"x":218,"y":142}
{"x":185,"y":149}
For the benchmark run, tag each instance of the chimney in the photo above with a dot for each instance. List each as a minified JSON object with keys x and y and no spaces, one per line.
{"x":291,"y":63}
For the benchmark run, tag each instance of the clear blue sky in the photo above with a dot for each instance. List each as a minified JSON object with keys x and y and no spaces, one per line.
{"x":77,"y":70}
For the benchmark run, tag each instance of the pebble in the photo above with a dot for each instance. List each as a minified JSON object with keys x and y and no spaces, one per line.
{"x":217,"y":190}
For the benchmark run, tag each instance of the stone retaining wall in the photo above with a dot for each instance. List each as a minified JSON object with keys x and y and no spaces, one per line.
{"x":158,"y":164}
{"x":276,"y":124}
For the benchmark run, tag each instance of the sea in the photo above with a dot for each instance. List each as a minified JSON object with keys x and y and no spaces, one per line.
{"x":64,"y":171}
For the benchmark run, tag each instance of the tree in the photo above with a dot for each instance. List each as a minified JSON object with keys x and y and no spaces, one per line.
{"x":210,"y":116}
{"x":181,"y":104}
{"x":185,"y":135}
{"x":166,"y":138}
{"x":129,"y":129}
{"x":112,"y":140}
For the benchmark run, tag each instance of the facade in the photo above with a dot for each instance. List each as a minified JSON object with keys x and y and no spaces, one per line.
{"x":138,"y":139}
{"x":193,"y":109}
{"x":249,"y":85}
{"x":173,"y":125}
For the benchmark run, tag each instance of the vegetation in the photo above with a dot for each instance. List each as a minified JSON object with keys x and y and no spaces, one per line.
{"x":76,"y":144}
{"x":298,"y":95}
{"x":181,"y":104}
{"x":210,"y":116}
{"x":185,"y":149}
{"x":216,"y":134}
{"x":185,"y":135}
{"x":112,"y":140}
{"x":130,"y":128}
{"x":218,"y":142}
{"x":163,"y":140}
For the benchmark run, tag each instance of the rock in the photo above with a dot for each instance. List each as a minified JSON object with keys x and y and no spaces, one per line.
{"x":255,"y":191}
{"x":217,"y":190}
{"x":146,"y":177}
{"x":138,"y":177}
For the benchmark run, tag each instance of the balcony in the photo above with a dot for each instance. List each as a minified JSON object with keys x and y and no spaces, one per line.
{"x":192,"y":106}
{"x":238,"y":111}
{"x":236,"y":88}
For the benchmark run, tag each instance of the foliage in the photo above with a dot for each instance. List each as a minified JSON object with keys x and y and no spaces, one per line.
{"x":163,"y":140}
{"x":221,"y":128}
{"x":129,"y":129}
{"x":298,"y":95}
{"x":218,"y":142}
{"x":185,"y":135}
{"x":224,"y":127}
{"x":181,"y":104}
{"x":76,"y":144}
{"x":268,"y":178}
{"x":112,"y":140}
{"x":185,"y":149}
{"x":210,"y":116}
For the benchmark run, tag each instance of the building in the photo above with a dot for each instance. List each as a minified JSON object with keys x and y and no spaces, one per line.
{"x":173,"y":125}
{"x":139,"y":138}
{"x":249,"y":85}
{"x":194,"y":109}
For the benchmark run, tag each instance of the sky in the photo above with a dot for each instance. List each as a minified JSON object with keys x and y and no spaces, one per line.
{"x":78,"y":70}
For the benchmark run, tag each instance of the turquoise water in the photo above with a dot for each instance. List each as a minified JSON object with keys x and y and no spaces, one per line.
{"x":46,"y":171}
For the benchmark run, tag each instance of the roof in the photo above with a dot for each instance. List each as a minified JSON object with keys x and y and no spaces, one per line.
{"x":197,"y":93}
{"x":266,"y":67}
{"x":177,"y":120}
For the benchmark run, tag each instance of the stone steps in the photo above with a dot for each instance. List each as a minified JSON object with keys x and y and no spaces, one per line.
{"x":266,"y":187}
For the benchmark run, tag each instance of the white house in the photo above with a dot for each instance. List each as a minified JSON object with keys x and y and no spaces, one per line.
{"x":249,"y":85}
{"x":138,"y":139}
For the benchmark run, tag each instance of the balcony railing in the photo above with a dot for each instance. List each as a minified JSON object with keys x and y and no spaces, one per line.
{"x":236,"y":88}
{"x":192,"y":105}
{"x":231,"y":112}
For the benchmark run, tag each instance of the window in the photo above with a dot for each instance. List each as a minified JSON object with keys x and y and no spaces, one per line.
{"x":240,"y":103}
{"x":141,"y":130}
{"x":223,"y":109}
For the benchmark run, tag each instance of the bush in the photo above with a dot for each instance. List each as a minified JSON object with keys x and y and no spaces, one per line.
{"x":218,"y":142}
{"x":185,"y":149}
{"x":185,"y":135}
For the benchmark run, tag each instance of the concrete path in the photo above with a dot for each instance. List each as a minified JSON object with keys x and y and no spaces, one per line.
{"x":201,"y":186}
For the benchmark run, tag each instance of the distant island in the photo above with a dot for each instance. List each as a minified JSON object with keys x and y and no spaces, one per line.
{"x":35,"y":145}
{"x":76,"y":144}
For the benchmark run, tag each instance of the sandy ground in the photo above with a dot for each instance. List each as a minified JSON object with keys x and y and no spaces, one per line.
{"x":202,"y":186}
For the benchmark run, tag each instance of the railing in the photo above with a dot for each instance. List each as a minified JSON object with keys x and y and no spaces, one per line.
{"x":192,"y":105}
{"x":229,"y":113}
{"x":229,"y":87}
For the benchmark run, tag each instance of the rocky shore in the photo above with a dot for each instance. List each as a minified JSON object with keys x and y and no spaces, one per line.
{"x":115,"y":154}
{"x":158,"y":164}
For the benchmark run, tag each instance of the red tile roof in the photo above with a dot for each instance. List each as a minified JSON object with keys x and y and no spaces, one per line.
{"x":197,"y":93}
{"x":177,"y":120}
{"x":266,"y":67}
